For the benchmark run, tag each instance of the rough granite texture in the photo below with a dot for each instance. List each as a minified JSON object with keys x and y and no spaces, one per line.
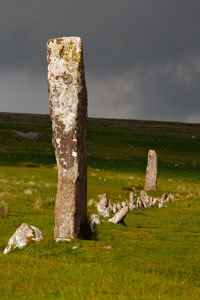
{"x":22,"y":236}
{"x":151,"y":172}
{"x":68,"y":110}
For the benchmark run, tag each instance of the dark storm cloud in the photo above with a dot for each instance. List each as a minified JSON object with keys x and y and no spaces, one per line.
{"x":141,"y":56}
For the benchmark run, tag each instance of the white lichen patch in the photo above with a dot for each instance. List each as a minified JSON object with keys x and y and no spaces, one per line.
{"x":64,"y":77}
{"x":58,"y":141}
{"x":74,"y":154}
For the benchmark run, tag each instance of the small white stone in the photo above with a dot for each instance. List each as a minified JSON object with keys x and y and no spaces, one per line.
{"x":107,"y":247}
{"x":75,"y":247}
{"x":62,"y":240}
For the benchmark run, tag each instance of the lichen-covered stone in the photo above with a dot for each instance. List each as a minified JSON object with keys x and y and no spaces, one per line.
{"x":68,"y":110}
{"x":22,"y":236}
{"x":151,"y":172}
{"x":95,"y":220}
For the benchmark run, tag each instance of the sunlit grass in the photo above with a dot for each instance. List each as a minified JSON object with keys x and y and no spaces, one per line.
{"x":155,"y":256}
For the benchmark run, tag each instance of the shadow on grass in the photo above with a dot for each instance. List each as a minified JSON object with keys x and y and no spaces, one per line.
{"x":86,"y":233}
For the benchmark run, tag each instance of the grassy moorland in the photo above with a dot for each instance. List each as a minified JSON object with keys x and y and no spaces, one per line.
{"x":156,"y":256}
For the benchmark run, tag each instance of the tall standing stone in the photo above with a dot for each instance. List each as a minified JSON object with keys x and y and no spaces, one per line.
{"x":68,"y":110}
{"x":151,"y":172}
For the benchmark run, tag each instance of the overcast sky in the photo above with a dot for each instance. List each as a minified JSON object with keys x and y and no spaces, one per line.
{"x":142,"y":57}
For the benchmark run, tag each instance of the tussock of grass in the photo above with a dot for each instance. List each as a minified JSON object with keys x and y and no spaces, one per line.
{"x":3,"y":209}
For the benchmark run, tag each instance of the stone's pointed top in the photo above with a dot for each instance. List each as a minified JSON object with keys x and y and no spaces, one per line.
{"x":152,"y":151}
{"x":64,"y":38}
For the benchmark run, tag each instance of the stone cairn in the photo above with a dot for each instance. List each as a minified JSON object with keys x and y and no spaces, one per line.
{"x":120,"y":210}
{"x":68,"y":110}
{"x":151,"y":172}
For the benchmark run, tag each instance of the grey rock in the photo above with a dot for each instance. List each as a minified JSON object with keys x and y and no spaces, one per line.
{"x":154,"y":201}
{"x":110,"y":207}
{"x":108,"y":247}
{"x":164,"y":198}
{"x":23,"y":236}
{"x":114,"y":208}
{"x":68,"y":110}
{"x":95,"y":220}
{"x":103,"y":206}
{"x":28,"y":135}
{"x":119,"y":206}
{"x":62,"y":240}
{"x":124,"y":204}
{"x":171,"y":197}
{"x":132,"y":206}
{"x":75,"y":247}
{"x":119,"y":216}
{"x":144,"y":197}
{"x":139,"y":203}
{"x":132,"y":198}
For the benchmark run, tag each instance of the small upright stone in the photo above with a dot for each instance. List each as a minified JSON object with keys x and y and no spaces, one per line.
{"x":151,"y":172}
{"x":104,"y":206}
{"x":68,"y":110}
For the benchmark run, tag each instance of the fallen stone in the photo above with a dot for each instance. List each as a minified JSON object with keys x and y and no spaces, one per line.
{"x":95,"y":220}
{"x":119,"y":216}
{"x":62,"y":240}
{"x":22,"y":237}
{"x":131,"y":206}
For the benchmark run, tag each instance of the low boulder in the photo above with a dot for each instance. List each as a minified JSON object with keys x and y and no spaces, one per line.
{"x":95,"y":220}
{"x":22,"y":237}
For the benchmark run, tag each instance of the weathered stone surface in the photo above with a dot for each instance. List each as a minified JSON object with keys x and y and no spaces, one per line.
{"x":95,"y":220}
{"x":68,"y":110}
{"x":151,"y":172}
{"x":114,"y":208}
{"x":22,"y":236}
{"x":132,"y":206}
{"x":171,"y":197}
{"x":132,"y":198}
{"x":110,"y":207}
{"x":124,"y":204}
{"x":103,"y":206}
{"x":119,"y":216}
{"x":164,"y":198}
{"x":144,"y":197}
{"x":119,"y":206}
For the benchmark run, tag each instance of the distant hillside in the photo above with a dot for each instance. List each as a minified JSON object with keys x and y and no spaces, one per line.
{"x":119,"y":145}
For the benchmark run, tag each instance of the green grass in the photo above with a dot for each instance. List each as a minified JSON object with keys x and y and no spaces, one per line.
{"x":156,"y":256}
